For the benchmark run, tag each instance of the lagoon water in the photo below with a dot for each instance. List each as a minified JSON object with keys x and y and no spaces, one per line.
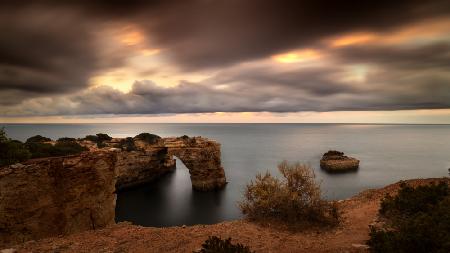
{"x":388,"y":153}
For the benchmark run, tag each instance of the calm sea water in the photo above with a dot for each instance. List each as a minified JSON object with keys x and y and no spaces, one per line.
{"x":388,"y":153}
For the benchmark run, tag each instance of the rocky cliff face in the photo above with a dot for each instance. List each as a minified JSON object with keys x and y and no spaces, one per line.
{"x":139,"y":167}
{"x":54,"y":196}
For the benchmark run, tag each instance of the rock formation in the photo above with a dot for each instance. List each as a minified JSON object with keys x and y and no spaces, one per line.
{"x":148,"y":161}
{"x":202,"y":157}
{"x":143,"y":166}
{"x":62,"y":195}
{"x":335,"y":162}
{"x":59,"y":195}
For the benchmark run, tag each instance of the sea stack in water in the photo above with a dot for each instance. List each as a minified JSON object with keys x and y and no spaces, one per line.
{"x":335,"y":162}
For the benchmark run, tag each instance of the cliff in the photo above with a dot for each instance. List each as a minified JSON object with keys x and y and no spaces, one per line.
{"x":62,"y":195}
{"x":54,"y":196}
{"x":140,"y":167}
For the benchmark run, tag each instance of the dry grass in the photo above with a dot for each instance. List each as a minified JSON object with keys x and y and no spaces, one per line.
{"x":295,"y":200}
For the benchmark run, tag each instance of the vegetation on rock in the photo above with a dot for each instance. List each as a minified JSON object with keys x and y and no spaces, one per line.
{"x":295,"y":200}
{"x":99,"y":138}
{"x":127,"y":144}
{"x":63,"y":146}
{"x":147,"y":137}
{"x":336,"y":162}
{"x":38,"y":138}
{"x":11,"y":151}
{"x":418,"y":220}
{"x":215,"y":244}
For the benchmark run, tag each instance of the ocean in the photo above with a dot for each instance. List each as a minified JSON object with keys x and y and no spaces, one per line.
{"x":388,"y":153}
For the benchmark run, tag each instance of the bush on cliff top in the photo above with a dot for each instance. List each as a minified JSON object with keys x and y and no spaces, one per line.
{"x":99,"y":138}
{"x":215,"y":244}
{"x":127,"y":144}
{"x":38,"y":138}
{"x":11,"y":151}
{"x":295,"y":200}
{"x":63,"y":146}
{"x":418,"y":220}
{"x":147,"y":137}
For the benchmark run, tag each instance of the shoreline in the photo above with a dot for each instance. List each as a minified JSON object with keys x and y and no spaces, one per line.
{"x":358,"y":212}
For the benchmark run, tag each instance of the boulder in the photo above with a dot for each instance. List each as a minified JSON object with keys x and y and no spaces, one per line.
{"x":335,"y":161}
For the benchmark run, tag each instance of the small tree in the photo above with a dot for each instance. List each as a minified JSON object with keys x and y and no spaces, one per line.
{"x":11,"y":151}
{"x":295,"y":200}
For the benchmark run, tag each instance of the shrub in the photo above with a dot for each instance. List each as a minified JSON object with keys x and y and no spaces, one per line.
{"x":38,"y":138}
{"x":295,"y":200}
{"x":215,"y":244}
{"x":410,"y":201}
{"x":127,"y":144}
{"x":67,"y":147}
{"x":103,"y":137}
{"x":64,"y":146}
{"x":147,"y":137}
{"x":92,"y":138}
{"x":99,"y":139}
{"x":39,"y":149}
{"x":11,"y":151}
{"x":418,"y":221}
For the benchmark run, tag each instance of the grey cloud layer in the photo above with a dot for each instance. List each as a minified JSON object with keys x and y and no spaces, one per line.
{"x":50,"y":49}
{"x":262,"y":88}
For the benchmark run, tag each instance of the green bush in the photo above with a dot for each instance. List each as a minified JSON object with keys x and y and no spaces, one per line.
{"x":418,"y":220}
{"x":127,"y":144}
{"x":295,"y":200}
{"x":92,"y":138}
{"x":147,"y":137}
{"x":103,"y":137}
{"x":99,"y":138}
{"x":215,"y":244}
{"x":38,"y":138}
{"x":67,"y":147}
{"x":39,"y":149}
{"x":410,"y":201}
{"x":64,"y":146}
{"x":11,"y":151}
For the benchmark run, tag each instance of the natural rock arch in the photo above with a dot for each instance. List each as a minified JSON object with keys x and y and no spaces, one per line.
{"x":202,"y":157}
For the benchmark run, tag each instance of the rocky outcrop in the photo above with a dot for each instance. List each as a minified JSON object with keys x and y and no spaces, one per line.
{"x":203,"y":159}
{"x":335,"y":162}
{"x":62,"y":195}
{"x":143,"y":166}
{"x":54,"y":196}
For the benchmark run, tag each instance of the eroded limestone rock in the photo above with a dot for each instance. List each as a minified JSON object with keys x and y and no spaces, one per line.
{"x":143,"y":166}
{"x":335,"y":162}
{"x":59,"y":195}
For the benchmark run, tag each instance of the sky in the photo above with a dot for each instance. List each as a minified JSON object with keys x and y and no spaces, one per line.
{"x":288,"y":61}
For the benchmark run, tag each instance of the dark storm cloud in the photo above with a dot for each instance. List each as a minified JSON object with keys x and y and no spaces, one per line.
{"x":49,"y":48}
{"x":262,"y":88}
{"x":216,"y":33}
{"x":413,"y":58}
{"x":47,"y":51}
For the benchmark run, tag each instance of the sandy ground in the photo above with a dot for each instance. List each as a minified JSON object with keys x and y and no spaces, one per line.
{"x":358,"y":212}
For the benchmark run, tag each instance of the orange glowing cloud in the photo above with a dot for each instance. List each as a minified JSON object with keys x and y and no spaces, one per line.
{"x":352,"y":39}
{"x":297,"y":56}
{"x":131,"y":37}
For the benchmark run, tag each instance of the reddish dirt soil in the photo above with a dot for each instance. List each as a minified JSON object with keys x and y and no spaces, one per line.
{"x":358,"y":212}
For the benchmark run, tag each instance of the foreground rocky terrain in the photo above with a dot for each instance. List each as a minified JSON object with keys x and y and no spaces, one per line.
{"x":358,"y":213}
